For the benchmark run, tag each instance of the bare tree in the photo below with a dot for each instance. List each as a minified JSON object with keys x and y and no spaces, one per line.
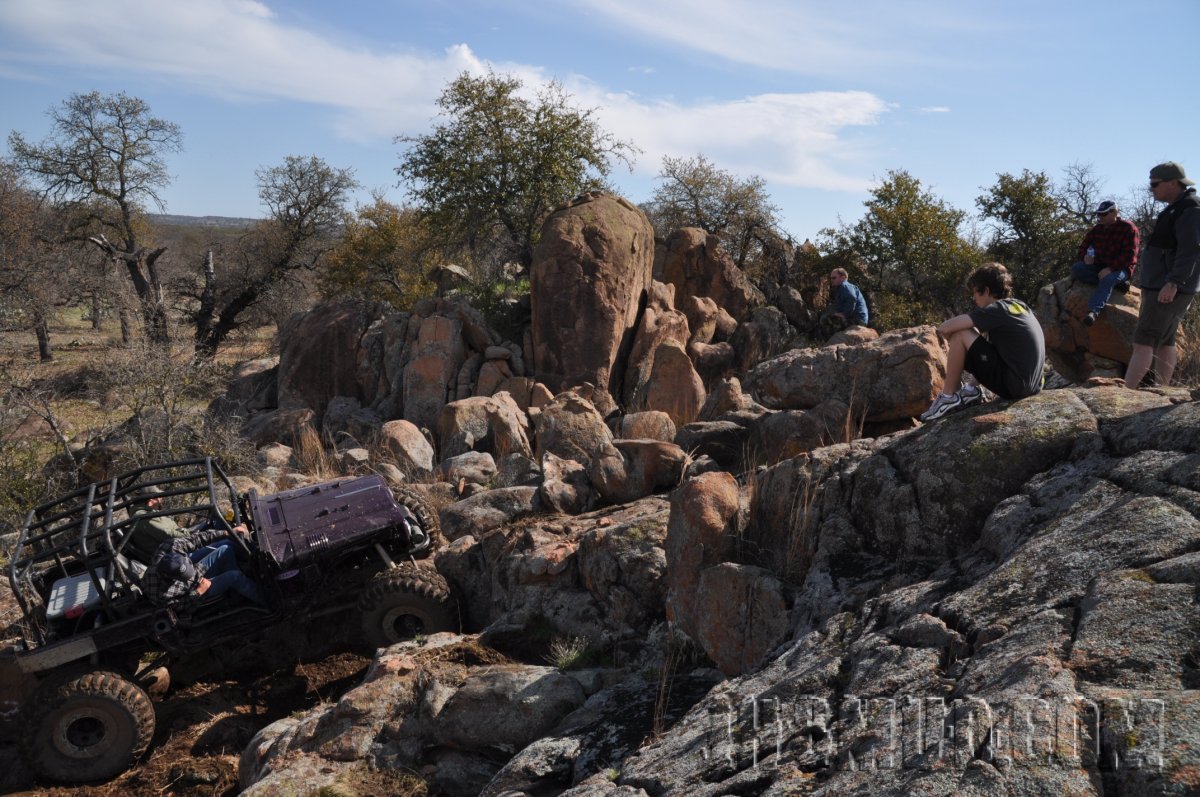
{"x":1079,"y":192}
{"x":306,"y":199}
{"x":696,"y":193}
{"x":32,"y":267}
{"x":105,"y":158}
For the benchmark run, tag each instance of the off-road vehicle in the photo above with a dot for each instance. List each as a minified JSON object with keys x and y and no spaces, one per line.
{"x":91,"y":638}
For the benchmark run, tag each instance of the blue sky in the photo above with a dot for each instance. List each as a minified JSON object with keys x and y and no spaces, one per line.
{"x":820,"y":99}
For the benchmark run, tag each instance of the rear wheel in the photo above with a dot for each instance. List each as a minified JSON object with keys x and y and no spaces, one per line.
{"x":405,"y":602}
{"x":419,"y":505}
{"x":86,"y":726}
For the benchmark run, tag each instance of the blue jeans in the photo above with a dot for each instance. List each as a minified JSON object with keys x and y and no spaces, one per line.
{"x":1104,"y":287}
{"x":221,"y":568}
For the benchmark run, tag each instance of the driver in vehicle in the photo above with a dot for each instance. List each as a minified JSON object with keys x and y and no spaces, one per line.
{"x":148,"y":533}
{"x":188,"y":569}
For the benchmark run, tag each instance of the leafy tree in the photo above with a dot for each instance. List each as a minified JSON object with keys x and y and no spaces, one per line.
{"x":488,"y":175}
{"x":1032,"y":232}
{"x":384,"y":254}
{"x":905,"y":253}
{"x":306,"y":199}
{"x":106,"y":158}
{"x":696,"y":193}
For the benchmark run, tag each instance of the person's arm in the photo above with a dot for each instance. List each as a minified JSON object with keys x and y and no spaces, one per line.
{"x":1186,"y":267}
{"x":956,"y":324}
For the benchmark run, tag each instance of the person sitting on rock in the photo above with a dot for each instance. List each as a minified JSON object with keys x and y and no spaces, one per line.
{"x":849,"y":304}
{"x":1107,"y":257}
{"x":190,"y":569}
{"x":1000,"y":342}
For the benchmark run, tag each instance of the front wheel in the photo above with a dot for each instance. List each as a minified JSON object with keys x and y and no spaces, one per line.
{"x":86,"y":727}
{"x":406,"y":602}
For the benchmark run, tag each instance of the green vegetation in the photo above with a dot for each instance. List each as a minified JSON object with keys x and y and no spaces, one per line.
{"x":486,"y":177}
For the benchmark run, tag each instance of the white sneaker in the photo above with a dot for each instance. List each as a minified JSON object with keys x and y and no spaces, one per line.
{"x":970,"y":395}
{"x":941,"y":405}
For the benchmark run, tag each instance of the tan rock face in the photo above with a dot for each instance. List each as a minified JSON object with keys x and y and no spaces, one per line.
{"x":495,"y":424}
{"x":742,"y":614}
{"x":571,"y":428}
{"x":590,"y":272}
{"x":317,"y":358}
{"x":439,"y":353}
{"x":697,"y":265}
{"x":700,"y":534}
{"x":626,"y":470}
{"x":660,"y":323}
{"x":407,"y":445}
{"x":673,"y":387}
{"x":893,"y":377}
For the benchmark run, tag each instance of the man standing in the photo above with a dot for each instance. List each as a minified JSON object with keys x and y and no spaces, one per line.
{"x":1107,"y":256}
{"x":849,"y":306}
{"x":1169,"y":276}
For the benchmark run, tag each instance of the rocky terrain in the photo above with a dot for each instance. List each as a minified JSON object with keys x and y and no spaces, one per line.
{"x":697,"y":552}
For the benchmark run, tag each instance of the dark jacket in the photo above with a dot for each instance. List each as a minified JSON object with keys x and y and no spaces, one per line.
{"x":1172,"y":252}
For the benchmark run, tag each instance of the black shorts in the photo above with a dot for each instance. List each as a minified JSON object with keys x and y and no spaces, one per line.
{"x":1157,"y":323}
{"x":986,"y":365}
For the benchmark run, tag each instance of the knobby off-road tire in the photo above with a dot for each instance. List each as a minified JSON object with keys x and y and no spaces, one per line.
{"x":428,"y":518}
{"x":405,"y":602}
{"x":85,"y":726}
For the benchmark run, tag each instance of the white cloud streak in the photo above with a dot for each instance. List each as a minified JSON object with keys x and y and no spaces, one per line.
{"x":790,"y":35}
{"x":240,"y":50}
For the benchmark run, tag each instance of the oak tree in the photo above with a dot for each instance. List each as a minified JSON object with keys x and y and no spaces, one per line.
{"x":490,"y":172}
{"x":105,"y":159}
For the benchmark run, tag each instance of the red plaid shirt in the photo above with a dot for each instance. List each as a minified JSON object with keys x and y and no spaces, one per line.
{"x":1116,"y":245}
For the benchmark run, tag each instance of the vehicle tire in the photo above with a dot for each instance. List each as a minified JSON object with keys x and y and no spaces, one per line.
{"x":86,"y":726}
{"x":404,"y":602}
{"x":419,"y":505}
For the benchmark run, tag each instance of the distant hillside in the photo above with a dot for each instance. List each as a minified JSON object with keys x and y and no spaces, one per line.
{"x":229,"y":222}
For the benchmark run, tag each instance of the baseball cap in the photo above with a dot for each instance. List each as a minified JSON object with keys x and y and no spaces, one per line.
{"x":176,"y":566}
{"x":1104,"y":207}
{"x":1170,"y":170}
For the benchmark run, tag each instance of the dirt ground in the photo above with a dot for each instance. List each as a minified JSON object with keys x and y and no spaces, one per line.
{"x":203,"y":727}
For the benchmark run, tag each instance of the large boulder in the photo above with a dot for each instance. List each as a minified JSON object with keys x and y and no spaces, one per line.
{"x":1079,"y":352}
{"x":590,"y":274}
{"x":740,"y":614}
{"x":505,"y":707}
{"x":488,"y":510}
{"x":894,"y":377}
{"x":672,"y":386}
{"x":697,"y":265}
{"x":254,"y":387}
{"x":570,"y":427}
{"x":432,"y":369}
{"x":660,"y":323}
{"x":703,"y":526}
{"x":405,"y":443}
{"x":626,"y":470}
{"x":318,"y":354}
{"x":492,"y":424}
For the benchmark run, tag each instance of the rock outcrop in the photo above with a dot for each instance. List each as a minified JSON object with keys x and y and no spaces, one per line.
{"x":590,"y":275}
{"x":893,"y":377}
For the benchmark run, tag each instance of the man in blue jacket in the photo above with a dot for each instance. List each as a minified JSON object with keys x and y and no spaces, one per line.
{"x":1169,"y":275}
{"x":849,"y":306}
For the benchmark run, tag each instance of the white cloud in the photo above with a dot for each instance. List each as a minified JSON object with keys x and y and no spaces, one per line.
{"x":935,"y":109}
{"x":786,"y":35}
{"x":241,"y":50}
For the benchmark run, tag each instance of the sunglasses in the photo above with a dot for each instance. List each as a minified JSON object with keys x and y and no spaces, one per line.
{"x":1156,"y":183}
